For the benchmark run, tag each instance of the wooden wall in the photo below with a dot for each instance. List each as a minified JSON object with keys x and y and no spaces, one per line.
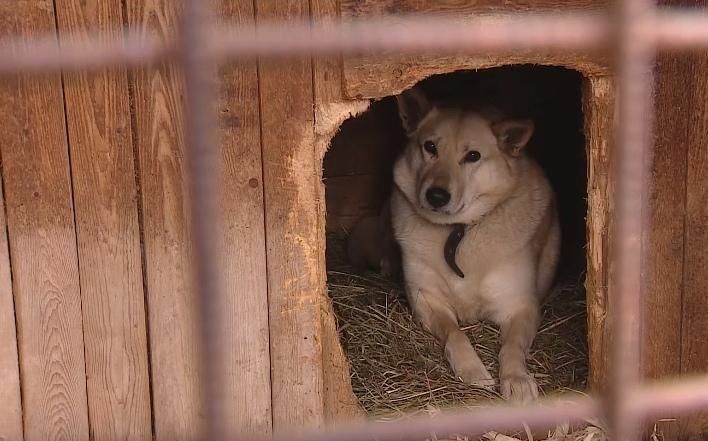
{"x":97,"y":306}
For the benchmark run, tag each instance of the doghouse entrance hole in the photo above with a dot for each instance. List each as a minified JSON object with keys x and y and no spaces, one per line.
{"x":395,"y":366}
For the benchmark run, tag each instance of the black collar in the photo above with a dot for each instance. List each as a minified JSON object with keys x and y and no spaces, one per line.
{"x":451,"y":244}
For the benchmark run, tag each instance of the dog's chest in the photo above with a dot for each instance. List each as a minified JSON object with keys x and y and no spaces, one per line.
{"x":427,"y":268}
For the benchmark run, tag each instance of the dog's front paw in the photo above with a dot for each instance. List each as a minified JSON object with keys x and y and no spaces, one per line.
{"x":519,"y":388}
{"x":473,"y":373}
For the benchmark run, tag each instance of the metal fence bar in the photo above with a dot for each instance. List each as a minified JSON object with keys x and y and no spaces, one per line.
{"x":469,"y":423}
{"x":634,"y":56}
{"x":203,"y":166}
{"x":637,"y":33}
{"x":671,"y":29}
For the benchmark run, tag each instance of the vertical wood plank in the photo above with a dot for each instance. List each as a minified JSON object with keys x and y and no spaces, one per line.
{"x":172,"y":307}
{"x":294,"y":281}
{"x":598,"y":108}
{"x":694,"y":335}
{"x":105,"y":201}
{"x":11,"y":408}
{"x":243,"y":241}
{"x":340,"y":403}
{"x":664,"y":241}
{"x":42,"y":240}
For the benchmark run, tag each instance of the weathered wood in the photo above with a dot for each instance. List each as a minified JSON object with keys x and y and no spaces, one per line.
{"x":598,"y":107}
{"x":375,"y":76}
{"x":105,"y":203}
{"x":664,"y":240}
{"x":694,"y":327}
{"x":295,"y":285}
{"x":11,"y":409}
{"x":172,"y":303}
{"x":340,"y":404}
{"x":42,"y":240}
{"x":243,"y":243}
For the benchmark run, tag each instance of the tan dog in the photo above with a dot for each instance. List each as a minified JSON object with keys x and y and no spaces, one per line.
{"x":371,"y":244}
{"x":465,"y":188}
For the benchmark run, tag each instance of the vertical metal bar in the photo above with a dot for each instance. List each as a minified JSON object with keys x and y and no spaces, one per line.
{"x":202,"y":159}
{"x":634,"y":61}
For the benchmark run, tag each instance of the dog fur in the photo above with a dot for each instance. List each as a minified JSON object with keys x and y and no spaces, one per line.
{"x":510,"y":251}
{"x":371,"y":244}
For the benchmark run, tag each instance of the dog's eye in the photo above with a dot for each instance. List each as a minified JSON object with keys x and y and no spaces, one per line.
{"x":429,"y":147}
{"x":473,"y":156}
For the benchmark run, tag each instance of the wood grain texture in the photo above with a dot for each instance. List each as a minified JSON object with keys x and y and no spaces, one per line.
{"x":42,"y":241}
{"x":105,"y":200}
{"x":243,"y":262}
{"x":370,"y":76}
{"x":172,"y":303}
{"x":376,"y":77}
{"x":10,"y":396}
{"x":664,"y":240}
{"x":340,"y":403}
{"x":694,"y":328}
{"x":598,"y":108}
{"x":295,"y":288}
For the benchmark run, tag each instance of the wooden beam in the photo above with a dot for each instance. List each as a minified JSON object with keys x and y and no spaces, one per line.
{"x":293,"y":232}
{"x":11,"y":410}
{"x":243,"y":241}
{"x":42,"y":239}
{"x":172,"y":302}
{"x":113,"y":304}
{"x":340,"y":403}
{"x":598,"y":108}
{"x":664,"y":240}
{"x":694,"y":327}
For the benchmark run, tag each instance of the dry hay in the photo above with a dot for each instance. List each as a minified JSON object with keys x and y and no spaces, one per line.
{"x":399,"y":369}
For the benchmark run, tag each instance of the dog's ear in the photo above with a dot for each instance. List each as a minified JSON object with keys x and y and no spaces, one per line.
{"x":413,"y":106}
{"x":513,"y":135}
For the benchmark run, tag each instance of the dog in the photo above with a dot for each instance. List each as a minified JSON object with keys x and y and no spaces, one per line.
{"x":371,"y":244}
{"x":476,"y":221}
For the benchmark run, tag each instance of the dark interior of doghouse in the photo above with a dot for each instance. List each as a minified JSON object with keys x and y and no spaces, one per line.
{"x":395,"y":366}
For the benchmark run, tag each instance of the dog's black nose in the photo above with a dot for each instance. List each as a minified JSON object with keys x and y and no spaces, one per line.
{"x":437,"y":197}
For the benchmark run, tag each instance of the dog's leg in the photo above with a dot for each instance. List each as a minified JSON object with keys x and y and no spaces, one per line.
{"x":517,"y":334}
{"x":439,"y":319}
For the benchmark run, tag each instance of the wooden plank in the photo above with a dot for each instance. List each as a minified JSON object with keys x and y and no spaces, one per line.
{"x":382,"y":75}
{"x":694,"y":329}
{"x":243,"y":242}
{"x":172,"y":303}
{"x":295,"y":285}
{"x":11,"y":409}
{"x":42,"y":241}
{"x":664,"y":240}
{"x":340,"y":403}
{"x":105,"y":201}
{"x":598,"y":108}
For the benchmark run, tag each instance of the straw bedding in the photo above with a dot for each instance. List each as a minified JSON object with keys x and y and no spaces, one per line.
{"x":397,"y":368}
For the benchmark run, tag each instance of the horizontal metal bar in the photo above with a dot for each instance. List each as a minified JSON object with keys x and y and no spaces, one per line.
{"x":679,"y":28}
{"x":670,"y":398}
{"x":573,"y":32}
{"x":470,"y":423}
{"x":500,"y":32}
{"x":89,"y":52}
{"x":659,"y":399}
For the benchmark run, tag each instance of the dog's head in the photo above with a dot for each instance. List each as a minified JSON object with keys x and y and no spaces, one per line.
{"x":458,"y":165}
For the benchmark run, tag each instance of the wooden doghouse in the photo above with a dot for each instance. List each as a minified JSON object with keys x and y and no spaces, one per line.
{"x":97,"y":310}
